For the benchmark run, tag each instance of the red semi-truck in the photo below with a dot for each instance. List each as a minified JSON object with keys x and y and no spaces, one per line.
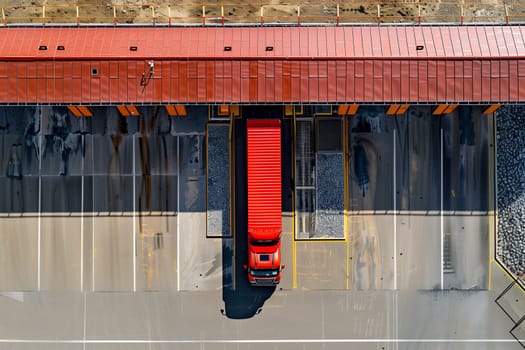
{"x":264,"y":201}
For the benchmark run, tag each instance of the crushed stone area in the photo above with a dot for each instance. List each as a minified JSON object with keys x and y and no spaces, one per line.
{"x":510,"y":135}
{"x":218,"y":186}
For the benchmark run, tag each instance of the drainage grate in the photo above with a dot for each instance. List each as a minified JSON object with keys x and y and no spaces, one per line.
{"x":447,"y":254}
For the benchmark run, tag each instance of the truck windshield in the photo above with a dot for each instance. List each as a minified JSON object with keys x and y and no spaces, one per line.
{"x":264,"y":272}
{"x":264,"y":243}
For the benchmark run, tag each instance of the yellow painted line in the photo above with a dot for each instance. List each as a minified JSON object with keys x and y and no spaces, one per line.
{"x":489,"y":284}
{"x":321,"y":240}
{"x":294,"y":263}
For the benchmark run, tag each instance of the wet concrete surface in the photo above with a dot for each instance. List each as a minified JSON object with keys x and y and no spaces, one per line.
{"x":120,"y":206}
{"x":290,"y":319}
{"x":404,"y":177}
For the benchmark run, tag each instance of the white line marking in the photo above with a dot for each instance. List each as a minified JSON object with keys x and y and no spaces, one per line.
{"x":178,"y":214}
{"x":395,"y":320}
{"x":252,"y":341}
{"x":84,"y":322}
{"x":441,"y":208}
{"x":82,"y":221}
{"x":93,"y":217}
{"x":395,"y":214}
{"x":134,"y":220}
{"x":39,"y":239}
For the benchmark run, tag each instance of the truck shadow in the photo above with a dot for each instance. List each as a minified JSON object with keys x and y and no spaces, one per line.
{"x":241,"y":300}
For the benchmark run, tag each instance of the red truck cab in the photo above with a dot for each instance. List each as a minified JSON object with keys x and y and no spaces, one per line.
{"x":264,"y":201}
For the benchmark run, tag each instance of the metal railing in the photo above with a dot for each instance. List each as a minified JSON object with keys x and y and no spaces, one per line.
{"x":301,"y":12}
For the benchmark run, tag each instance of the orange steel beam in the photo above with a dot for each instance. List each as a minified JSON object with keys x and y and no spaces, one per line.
{"x":181,"y":110}
{"x":491,"y":109}
{"x":133,"y":111}
{"x":172,"y":112}
{"x":128,"y":111}
{"x":450,"y":109}
{"x":392,"y":109}
{"x":439,"y":109}
{"x":224,"y":110}
{"x":347,"y":109}
{"x":75,"y":111}
{"x":402,"y":109}
{"x":234,"y":110}
{"x":123,"y":110}
{"x":86,"y":111}
{"x":80,"y":111}
{"x":352,"y":109}
{"x":342,"y":109}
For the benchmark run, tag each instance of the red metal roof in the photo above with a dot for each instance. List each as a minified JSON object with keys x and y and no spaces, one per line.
{"x":478,"y":64}
{"x":251,"y":42}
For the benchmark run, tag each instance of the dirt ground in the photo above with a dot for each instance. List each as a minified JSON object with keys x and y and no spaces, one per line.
{"x":269,"y":11}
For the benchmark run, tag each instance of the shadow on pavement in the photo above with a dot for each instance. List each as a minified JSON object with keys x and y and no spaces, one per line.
{"x":241,"y":300}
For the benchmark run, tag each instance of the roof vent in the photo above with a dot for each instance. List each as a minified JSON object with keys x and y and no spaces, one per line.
{"x":269,"y":48}
{"x":227,"y":48}
{"x":419,"y":47}
{"x":60,"y":48}
{"x":42,"y":47}
{"x":133,"y":48}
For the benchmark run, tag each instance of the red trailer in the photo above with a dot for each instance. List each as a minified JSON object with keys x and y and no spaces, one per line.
{"x":264,"y":202}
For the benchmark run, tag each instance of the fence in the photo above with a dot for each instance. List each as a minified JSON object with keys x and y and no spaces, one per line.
{"x":302,"y":12}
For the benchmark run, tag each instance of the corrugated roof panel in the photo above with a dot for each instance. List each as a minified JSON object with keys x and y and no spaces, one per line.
{"x":383,"y":41}
{"x":375,"y":41}
{"x":411,"y":43}
{"x":402,"y":42}
{"x":330,"y":42}
{"x":518,"y":39}
{"x":474,"y":44}
{"x":357,"y":39}
{"x":437,"y":38}
{"x":316,"y":43}
{"x":482,"y":40}
{"x":492,"y":44}
{"x":513,"y":81}
{"x":500,"y":41}
{"x":366,"y":42}
{"x":509,"y":41}
{"x":329,"y":73}
{"x":305,"y":42}
{"x":447,"y":42}
{"x":457,"y":45}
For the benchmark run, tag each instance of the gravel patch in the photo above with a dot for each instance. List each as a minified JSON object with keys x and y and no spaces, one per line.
{"x":329,"y":213}
{"x":218,"y":206}
{"x":510,"y":135}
